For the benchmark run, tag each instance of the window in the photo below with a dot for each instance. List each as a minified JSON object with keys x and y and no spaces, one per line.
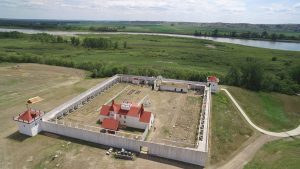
{"x":124,"y":122}
{"x":120,"y":115}
{"x":124,"y":116}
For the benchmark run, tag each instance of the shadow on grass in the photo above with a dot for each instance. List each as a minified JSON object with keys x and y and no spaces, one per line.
{"x":139,"y":155}
{"x":17,"y":136}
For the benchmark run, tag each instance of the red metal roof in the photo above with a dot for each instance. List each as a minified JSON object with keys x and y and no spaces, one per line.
{"x":105,"y":110}
{"x":115,"y":107}
{"x":134,"y":111}
{"x":29,"y":115}
{"x":111,"y":124}
{"x":145,"y":117}
{"x":212,"y":79}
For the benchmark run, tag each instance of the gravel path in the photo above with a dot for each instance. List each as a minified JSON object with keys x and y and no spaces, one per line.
{"x":293,"y":132}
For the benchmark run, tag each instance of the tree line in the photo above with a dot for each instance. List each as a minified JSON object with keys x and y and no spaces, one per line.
{"x":252,"y":75}
{"x":104,"y":29}
{"x":95,"y":43}
{"x":57,"y":25}
{"x":42,"y":37}
{"x":248,"y":35}
{"x":104,"y":69}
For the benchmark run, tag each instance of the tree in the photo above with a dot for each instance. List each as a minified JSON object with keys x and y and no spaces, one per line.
{"x":94,"y":73}
{"x":75,"y":41}
{"x":59,"y":39}
{"x":252,"y":74}
{"x":264,"y":34}
{"x":274,"y":58}
{"x":295,"y":74}
{"x":125,"y":45}
{"x":274,"y":36}
{"x":255,"y":35}
{"x":245,"y":35}
{"x":196,"y":33}
{"x":233,"y":76}
{"x":215,"y":32}
{"x":232,"y":34}
{"x":116,"y":45}
{"x":100,"y":43}
{"x":282,"y":36}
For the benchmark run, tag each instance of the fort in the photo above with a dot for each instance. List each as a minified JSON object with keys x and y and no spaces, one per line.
{"x":134,"y":116}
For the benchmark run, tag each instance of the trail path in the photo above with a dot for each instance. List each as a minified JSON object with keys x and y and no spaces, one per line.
{"x":290,"y":133}
{"x":247,"y":153}
{"x":243,"y":157}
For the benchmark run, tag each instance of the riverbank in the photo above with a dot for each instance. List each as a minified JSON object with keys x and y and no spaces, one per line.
{"x":136,"y":31}
{"x":290,"y":46}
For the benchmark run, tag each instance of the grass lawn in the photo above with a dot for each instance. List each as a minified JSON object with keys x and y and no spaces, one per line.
{"x":272,"y":111}
{"x":277,"y":155}
{"x":229,"y":129}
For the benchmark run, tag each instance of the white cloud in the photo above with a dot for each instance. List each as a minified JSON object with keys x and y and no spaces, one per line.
{"x":170,"y":10}
{"x":297,"y":5}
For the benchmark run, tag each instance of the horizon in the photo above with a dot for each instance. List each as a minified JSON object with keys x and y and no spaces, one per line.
{"x":206,"y":11}
{"x":82,"y":20}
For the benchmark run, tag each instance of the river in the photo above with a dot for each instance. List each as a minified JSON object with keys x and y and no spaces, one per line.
{"x":290,"y":46}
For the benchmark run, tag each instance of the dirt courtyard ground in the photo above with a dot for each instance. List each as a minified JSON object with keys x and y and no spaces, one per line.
{"x":177,"y":118}
{"x":176,"y":114}
{"x":55,"y":85}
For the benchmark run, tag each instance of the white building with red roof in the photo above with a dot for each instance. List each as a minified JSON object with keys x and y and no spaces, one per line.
{"x":213,"y":82}
{"x":29,"y":122}
{"x":126,"y":114}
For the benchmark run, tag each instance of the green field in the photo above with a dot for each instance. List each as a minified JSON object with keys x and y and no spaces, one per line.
{"x":154,"y":55}
{"x":229,"y":129}
{"x":277,"y":155}
{"x":271,"y":111}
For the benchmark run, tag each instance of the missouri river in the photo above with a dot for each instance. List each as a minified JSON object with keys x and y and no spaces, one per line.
{"x":291,"y":46}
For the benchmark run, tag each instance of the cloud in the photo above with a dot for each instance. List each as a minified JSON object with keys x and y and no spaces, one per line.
{"x":297,"y":5}
{"x":283,"y":8}
{"x":168,"y":10}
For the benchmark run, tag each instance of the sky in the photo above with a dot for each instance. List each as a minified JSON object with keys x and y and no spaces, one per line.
{"x":230,"y":11}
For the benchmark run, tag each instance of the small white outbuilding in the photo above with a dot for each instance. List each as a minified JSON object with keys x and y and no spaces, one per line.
{"x":213,"y":83}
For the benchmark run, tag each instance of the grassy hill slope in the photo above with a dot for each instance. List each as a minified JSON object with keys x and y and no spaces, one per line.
{"x":272,"y":111}
{"x":276,"y":155}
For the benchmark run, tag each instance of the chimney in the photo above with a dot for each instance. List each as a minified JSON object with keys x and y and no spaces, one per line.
{"x":112,"y":102}
{"x":142,"y":108}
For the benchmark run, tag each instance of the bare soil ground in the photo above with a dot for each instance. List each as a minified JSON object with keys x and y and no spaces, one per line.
{"x":55,"y":85}
{"x":177,"y":118}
